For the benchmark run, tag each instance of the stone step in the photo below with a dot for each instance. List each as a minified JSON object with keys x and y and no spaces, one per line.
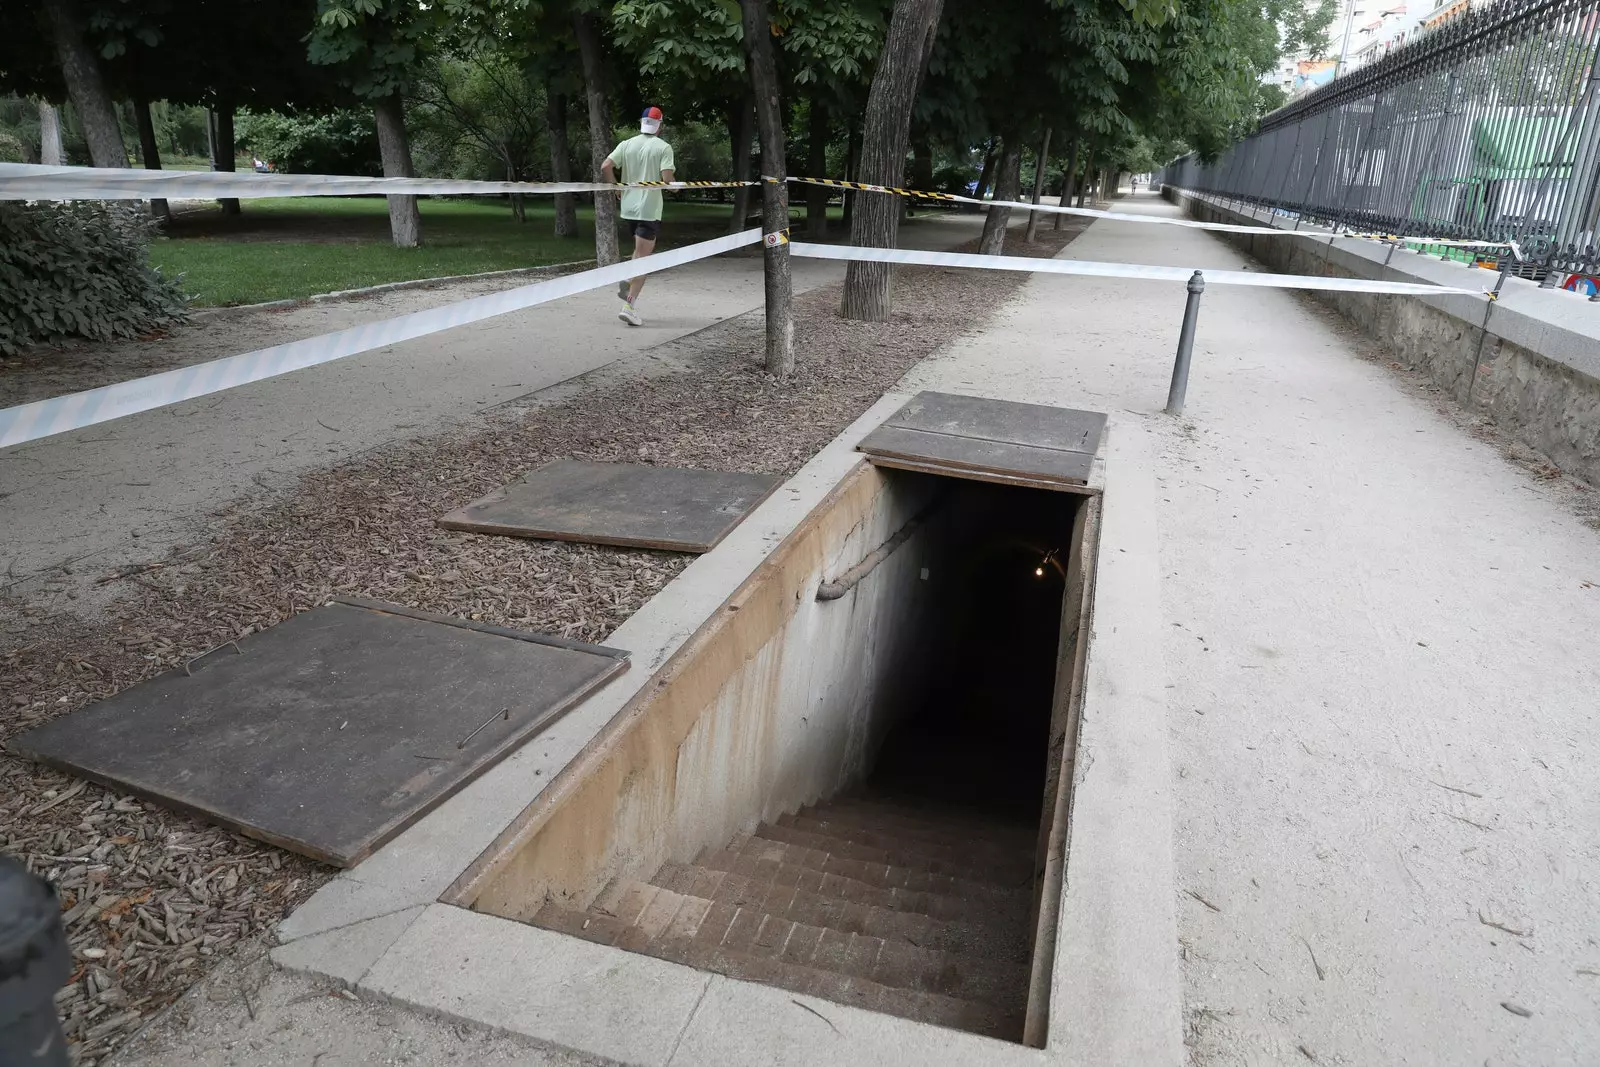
{"x":770,"y":961}
{"x":962,"y":929}
{"x":926,"y":817}
{"x":766,"y":855}
{"x":798,"y":956}
{"x":678,"y":943}
{"x":713,"y":865}
{"x":1002,"y":867}
{"x":999,"y":840}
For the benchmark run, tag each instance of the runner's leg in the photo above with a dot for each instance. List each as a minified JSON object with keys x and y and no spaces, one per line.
{"x":624,"y":286}
{"x":642,"y":246}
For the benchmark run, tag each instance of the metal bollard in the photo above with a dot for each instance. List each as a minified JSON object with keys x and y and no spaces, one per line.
{"x":1180,"y":366}
{"x":34,"y":963}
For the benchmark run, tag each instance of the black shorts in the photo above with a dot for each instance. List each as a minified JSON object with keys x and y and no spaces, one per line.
{"x":647,"y":228}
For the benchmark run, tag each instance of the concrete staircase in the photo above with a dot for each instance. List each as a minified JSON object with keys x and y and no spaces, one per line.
{"x":893,"y":906}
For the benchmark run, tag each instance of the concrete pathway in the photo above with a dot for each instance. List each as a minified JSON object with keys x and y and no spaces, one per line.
{"x":125,"y":491}
{"x":1378,"y":656}
{"x":250,"y":1014}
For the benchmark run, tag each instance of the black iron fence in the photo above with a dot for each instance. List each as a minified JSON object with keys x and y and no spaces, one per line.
{"x":1486,"y":128}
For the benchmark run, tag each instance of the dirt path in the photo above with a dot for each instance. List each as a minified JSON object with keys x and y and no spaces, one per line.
{"x":155,"y":898}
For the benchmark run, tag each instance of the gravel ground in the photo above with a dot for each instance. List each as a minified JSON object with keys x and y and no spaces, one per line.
{"x":151,"y":898}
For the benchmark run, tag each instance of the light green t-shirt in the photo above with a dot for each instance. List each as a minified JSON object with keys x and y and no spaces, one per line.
{"x":641,"y":159}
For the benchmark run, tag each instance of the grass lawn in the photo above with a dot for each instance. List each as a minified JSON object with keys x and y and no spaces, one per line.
{"x":296,"y":247}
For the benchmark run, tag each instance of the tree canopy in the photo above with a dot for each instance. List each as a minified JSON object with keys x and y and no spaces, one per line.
{"x":1125,"y":75}
{"x":489,"y":88}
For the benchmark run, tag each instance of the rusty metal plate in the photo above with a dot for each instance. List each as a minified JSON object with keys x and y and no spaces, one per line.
{"x":331,"y":732}
{"x":1003,"y":437}
{"x":628,"y":504}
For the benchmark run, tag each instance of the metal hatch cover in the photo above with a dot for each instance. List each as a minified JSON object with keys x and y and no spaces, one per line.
{"x":1004,"y":438}
{"x":332,"y":731}
{"x":629,"y":504}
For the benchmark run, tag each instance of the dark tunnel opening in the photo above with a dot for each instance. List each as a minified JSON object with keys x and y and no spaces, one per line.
{"x":975,"y":735}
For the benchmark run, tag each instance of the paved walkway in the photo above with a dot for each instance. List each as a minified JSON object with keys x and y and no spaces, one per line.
{"x":124,"y":491}
{"x":1380,"y":668}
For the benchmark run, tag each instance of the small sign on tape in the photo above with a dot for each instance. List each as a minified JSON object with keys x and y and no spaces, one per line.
{"x":773,"y":240}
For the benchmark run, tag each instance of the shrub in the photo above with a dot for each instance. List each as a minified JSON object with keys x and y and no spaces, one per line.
{"x":342,"y":142}
{"x":12,"y":150}
{"x":954,"y":178}
{"x":79,"y":270}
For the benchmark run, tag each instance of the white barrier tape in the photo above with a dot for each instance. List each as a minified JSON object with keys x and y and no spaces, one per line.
{"x":31,"y":181}
{"x":44,"y":418}
{"x":1051,"y":209}
{"x":1119,"y":216}
{"x":1119,"y":270}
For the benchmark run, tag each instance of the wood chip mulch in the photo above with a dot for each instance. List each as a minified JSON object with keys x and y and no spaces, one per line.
{"x":152,"y":899}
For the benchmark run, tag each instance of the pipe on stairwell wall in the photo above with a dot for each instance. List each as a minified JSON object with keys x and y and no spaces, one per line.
{"x":851,"y":578}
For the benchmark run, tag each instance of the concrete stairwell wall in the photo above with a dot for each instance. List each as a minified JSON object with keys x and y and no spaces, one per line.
{"x":778,"y":701}
{"x":1536,"y":374}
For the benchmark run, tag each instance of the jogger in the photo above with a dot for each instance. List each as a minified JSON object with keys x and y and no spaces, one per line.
{"x":644,"y":158}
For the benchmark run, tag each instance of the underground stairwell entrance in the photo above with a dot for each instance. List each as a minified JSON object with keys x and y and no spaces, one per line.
{"x":853,"y":782}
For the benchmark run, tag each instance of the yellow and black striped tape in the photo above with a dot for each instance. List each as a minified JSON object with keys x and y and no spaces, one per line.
{"x":836,"y":183}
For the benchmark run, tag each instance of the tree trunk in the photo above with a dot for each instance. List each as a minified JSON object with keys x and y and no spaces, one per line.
{"x":555,"y":116}
{"x":1068,"y":178}
{"x":80,"y":70}
{"x":151,"y":153}
{"x":817,"y":195}
{"x":594,"y":81}
{"x":741,"y":138}
{"x":887,"y":127}
{"x":50,"y":151}
{"x":508,"y":161}
{"x":405,"y":219}
{"x":993,"y":241}
{"x":986,"y":175}
{"x":219,"y":140}
{"x":1039,"y":169}
{"x":921,"y":171}
{"x":1088,"y":179}
{"x":774,"y":194}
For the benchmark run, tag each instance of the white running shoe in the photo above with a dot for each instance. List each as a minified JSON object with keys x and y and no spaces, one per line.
{"x":630,"y":316}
